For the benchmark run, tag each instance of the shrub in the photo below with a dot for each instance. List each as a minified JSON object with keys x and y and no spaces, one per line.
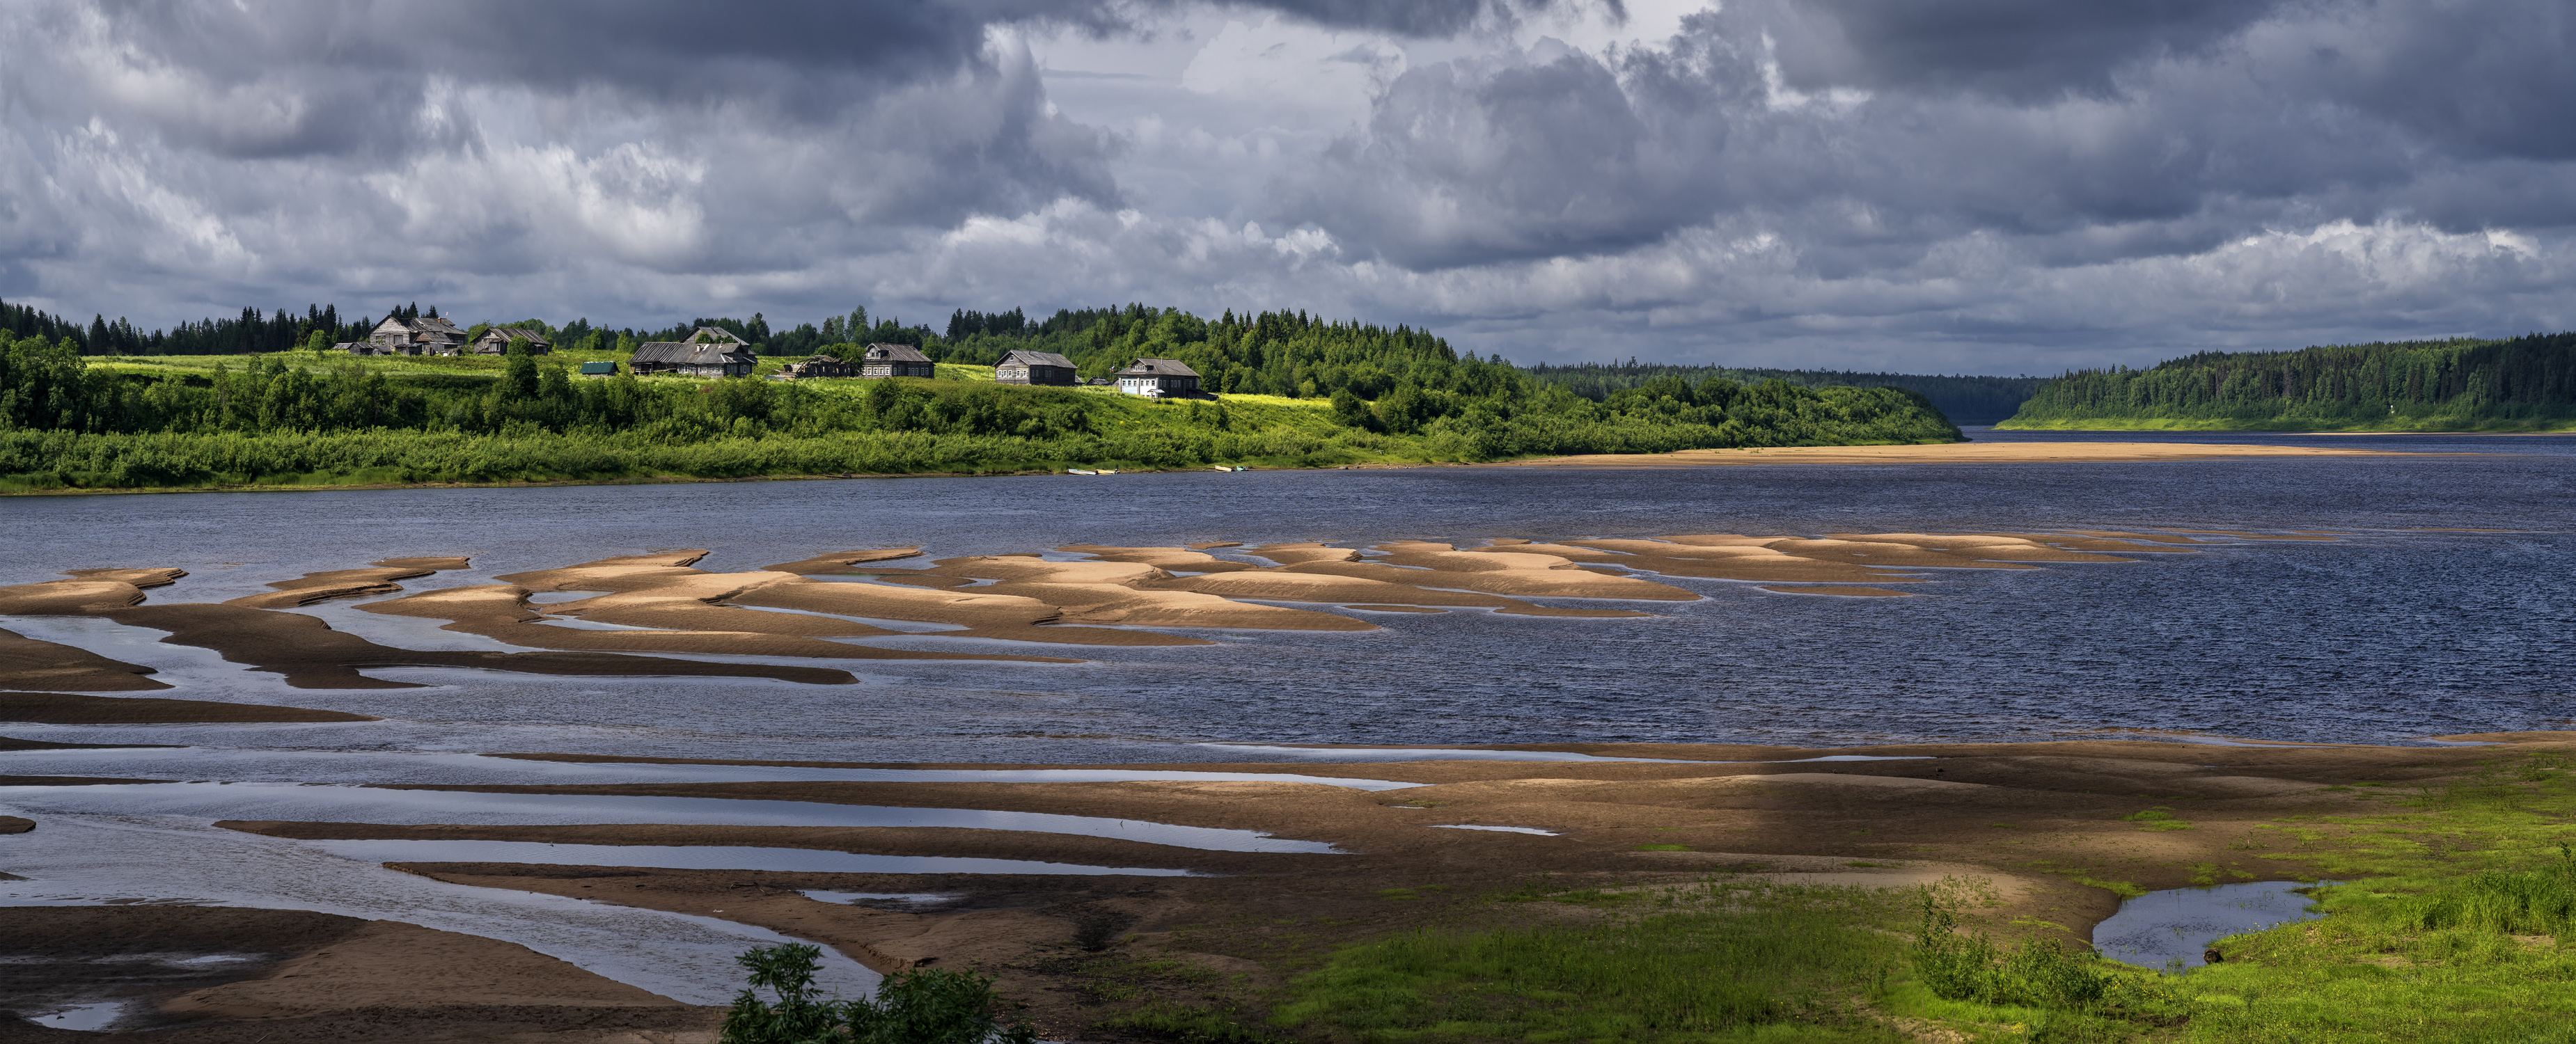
{"x":922,"y":1006}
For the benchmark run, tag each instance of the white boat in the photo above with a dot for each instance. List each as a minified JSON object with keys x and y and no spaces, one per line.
{"x":1080,"y":471}
{"x":1106,"y":471}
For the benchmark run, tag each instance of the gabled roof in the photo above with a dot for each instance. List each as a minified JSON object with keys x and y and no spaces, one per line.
{"x":682,"y":353}
{"x":717,"y":334}
{"x":519,"y":333}
{"x":895,"y":353}
{"x":1151,"y":367}
{"x":1036,"y":359}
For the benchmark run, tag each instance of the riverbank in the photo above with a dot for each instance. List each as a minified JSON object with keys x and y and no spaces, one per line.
{"x":1931,"y":453}
{"x":2039,"y":840}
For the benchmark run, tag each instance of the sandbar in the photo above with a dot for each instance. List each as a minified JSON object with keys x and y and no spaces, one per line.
{"x":1944,"y":453}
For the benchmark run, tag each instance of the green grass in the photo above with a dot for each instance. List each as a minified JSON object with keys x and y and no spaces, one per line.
{"x":1719,"y":962}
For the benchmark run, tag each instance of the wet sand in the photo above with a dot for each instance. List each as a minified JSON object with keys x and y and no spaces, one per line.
{"x":2029,"y":818}
{"x":63,"y":708}
{"x":200,"y":975}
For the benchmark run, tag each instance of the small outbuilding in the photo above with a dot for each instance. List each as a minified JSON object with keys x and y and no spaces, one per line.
{"x":599,"y":369}
{"x":1035,"y":368}
{"x":1158,"y":378}
{"x":818,"y":366}
{"x":496,"y":341}
{"x":896,"y":360}
{"x":710,"y":352}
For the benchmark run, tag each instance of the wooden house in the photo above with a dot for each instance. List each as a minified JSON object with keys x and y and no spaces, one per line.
{"x":710,"y":352}
{"x":818,"y":366}
{"x":1035,"y":368}
{"x":428,"y":335}
{"x":1158,"y":378}
{"x":896,"y":360}
{"x":496,"y":341}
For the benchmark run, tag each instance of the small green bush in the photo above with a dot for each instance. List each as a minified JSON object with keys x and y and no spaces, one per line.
{"x":922,"y":1006}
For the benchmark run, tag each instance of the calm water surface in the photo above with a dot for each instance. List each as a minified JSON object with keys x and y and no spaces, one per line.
{"x":2395,"y":633}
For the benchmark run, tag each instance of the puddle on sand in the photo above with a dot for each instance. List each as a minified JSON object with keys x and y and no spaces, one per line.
{"x":704,"y":857}
{"x":2158,"y":929}
{"x":1368,"y":754}
{"x":907,"y":902}
{"x":81,"y":1016}
{"x":1507,"y":830}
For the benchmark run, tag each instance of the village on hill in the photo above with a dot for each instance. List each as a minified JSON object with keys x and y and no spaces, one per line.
{"x":714,"y":352}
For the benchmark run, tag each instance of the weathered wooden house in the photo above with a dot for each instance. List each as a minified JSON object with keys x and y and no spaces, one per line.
{"x":710,"y":352}
{"x":496,"y":341}
{"x":896,"y":360}
{"x":1158,"y":378}
{"x":428,"y":335}
{"x":818,"y":366}
{"x":1035,"y":368}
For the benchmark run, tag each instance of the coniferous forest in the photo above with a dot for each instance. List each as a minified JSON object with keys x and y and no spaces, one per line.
{"x":1290,"y":390}
{"x":2522,"y":384}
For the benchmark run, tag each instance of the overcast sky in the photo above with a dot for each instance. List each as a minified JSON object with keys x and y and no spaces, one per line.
{"x":1984,"y":186}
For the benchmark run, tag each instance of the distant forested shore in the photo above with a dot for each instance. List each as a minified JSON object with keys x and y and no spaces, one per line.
{"x":1965,"y":399}
{"x":1287,"y":390}
{"x":2520,"y":384}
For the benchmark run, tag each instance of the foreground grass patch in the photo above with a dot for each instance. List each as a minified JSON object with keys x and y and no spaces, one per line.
{"x":1720,"y":962}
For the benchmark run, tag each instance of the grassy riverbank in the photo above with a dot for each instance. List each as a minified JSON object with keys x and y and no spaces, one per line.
{"x":302,"y":419}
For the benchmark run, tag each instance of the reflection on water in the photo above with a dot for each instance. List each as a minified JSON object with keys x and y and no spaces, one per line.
{"x":2175,"y":926}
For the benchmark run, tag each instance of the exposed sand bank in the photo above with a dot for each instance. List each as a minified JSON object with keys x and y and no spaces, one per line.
{"x":1113,"y":596}
{"x":1945,"y":453}
{"x":2031,"y":819}
{"x":202,"y":975}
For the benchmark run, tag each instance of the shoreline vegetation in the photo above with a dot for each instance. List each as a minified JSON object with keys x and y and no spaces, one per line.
{"x":1301,"y":393}
{"x":2465,"y":386}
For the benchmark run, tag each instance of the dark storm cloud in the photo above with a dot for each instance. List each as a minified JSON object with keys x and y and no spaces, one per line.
{"x":2014,"y":48}
{"x":1424,"y":18}
{"x":2154,"y":128}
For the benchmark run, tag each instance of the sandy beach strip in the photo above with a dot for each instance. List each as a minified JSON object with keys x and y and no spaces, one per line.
{"x":1942,"y":453}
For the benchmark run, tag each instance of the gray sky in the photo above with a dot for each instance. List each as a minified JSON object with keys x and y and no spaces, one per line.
{"x":1993,"y":186}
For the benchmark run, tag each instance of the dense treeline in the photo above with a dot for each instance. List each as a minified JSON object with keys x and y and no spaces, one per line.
{"x":1372,"y":393}
{"x":2520,"y":384}
{"x":1965,"y":399}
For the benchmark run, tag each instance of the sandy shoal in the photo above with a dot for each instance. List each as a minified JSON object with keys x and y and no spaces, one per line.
{"x":2031,"y":818}
{"x":1946,"y":453}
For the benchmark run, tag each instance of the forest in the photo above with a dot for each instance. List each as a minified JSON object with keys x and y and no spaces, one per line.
{"x":2521,"y":384}
{"x":1965,"y":399}
{"x":1296,"y":391}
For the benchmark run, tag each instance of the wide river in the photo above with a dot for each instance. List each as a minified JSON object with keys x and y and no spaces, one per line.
{"x":2409,"y":626}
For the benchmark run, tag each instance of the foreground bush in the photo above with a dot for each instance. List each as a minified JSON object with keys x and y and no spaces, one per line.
{"x":923,"y":1006}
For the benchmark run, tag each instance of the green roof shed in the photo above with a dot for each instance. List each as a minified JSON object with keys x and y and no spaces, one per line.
{"x":598,"y":368}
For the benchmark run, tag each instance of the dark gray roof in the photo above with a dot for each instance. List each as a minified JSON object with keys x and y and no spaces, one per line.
{"x":1036,"y":359}
{"x":682,"y":353}
{"x":1151,"y":367}
{"x":895,"y":353}
{"x":510,"y":333}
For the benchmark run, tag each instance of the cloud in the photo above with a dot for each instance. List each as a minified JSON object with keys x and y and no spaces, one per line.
{"x":1986,"y":184}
